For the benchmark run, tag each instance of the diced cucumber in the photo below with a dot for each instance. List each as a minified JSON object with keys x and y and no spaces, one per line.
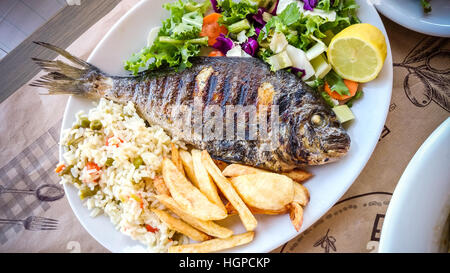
{"x":237,"y":51}
{"x":299,"y":60}
{"x":321,"y":66}
{"x":316,"y":50}
{"x":241,"y":37}
{"x":343,"y":113}
{"x":239,"y":26}
{"x":278,"y":42}
{"x":280,"y":61}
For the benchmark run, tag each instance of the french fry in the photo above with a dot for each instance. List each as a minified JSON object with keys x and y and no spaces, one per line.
{"x":231,"y":210}
{"x":214,"y":244}
{"x":230,"y":193}
{"x":301,"y":194}
{"x":160,"y":185}
{"x":234,"y":170}
{"x":208,"y":227}
{"x":266,"y":191}
{"x":296,"y":215}
{"x":176,"y":158}
{"x":220,"y":164}
{"x":188,"y":196}
{"x":180,"y":226}
{"x":298,"y":175}
{"x":186,"y":159}
{"x":205,"y":183}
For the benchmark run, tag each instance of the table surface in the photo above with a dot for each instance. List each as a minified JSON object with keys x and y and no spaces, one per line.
{"x":31,"y":125}
{"x":61,"y":30}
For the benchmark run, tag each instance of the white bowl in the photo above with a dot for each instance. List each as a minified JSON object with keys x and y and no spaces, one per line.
{"x":420,"y":206}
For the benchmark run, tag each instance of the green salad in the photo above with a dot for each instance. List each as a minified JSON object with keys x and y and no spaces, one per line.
{"x":176,"y":40}
{"x":287,"y":34}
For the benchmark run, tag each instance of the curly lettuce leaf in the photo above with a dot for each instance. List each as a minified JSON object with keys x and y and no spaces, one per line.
{"x":233,"y":12}
{"x":290,"y":14}
{"x":180,"y":33}
{"x":281,"y":23}
{"x":300,"y":27}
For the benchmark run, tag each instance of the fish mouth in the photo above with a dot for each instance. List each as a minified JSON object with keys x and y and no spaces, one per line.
{"x":336,"y":147}
{"x":332,"y":149}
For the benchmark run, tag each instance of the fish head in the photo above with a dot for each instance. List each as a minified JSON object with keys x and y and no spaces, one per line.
{"x":320,"y":136}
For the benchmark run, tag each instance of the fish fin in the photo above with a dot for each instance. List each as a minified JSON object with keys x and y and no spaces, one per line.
{"x":64,"y":78}
{"x":66,"y":54}
{"x":60,"y":68}
{"x":57,"y":83}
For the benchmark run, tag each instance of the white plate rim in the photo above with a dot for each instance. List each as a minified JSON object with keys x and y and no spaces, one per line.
{"x":75,"y":203}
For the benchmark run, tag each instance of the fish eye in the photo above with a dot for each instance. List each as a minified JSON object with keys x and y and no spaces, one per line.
{"x":318,"y":120}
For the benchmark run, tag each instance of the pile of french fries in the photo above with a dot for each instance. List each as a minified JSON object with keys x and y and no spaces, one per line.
{"x":191,"y":187}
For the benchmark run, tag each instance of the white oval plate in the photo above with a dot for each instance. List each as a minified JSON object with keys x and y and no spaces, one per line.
{"x":327,"y":186}
{"x":409,"y":13}
{"x":420,"y":204}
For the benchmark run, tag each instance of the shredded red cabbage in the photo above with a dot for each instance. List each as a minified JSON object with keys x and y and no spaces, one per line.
{"x":223,"y":43}
{"x":251,"y":46}
{"x":295,"y":70}
{"x":258,"y":17}
{"x":214,"y":6}
{"x":258,"y":30}
{"x":309,"y":4}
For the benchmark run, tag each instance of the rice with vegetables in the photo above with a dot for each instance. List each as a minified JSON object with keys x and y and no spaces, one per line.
{"x":112,"y":157}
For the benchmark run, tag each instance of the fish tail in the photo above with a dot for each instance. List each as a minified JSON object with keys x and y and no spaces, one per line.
{"x":63,"y":78}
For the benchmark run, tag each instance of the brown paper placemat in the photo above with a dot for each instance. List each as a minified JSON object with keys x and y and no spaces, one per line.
{"x":420,"y":102}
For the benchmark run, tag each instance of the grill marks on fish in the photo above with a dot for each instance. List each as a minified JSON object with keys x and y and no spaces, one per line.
{"x":226,"y":91}
{"x":160,"y":96}
{"x":238,"y":88}
{"x":214,"y":95}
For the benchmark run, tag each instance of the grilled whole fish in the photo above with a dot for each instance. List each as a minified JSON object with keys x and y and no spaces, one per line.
{"x":305,"y":130}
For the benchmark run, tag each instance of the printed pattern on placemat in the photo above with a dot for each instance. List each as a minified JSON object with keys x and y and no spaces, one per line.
{"x":30,"y":169}
{"x":338,"y":231}
{"x":428,"y":77}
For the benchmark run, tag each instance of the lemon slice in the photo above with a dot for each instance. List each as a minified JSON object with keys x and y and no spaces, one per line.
{"x":358,"y":52}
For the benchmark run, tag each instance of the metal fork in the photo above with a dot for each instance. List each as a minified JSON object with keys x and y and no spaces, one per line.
{"x":33,"y":223}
